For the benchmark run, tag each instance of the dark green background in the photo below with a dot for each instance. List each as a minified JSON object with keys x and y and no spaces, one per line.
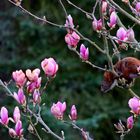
{"x":25,"y":42}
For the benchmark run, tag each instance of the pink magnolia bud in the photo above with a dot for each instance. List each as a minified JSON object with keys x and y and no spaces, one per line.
{"x":130,"y":35}
{"x":69,"y":23}
{"x":137,"y":7}
{"x":49,"y":66}
{"x":4,"y":116}
{"x":31,"y":86}
{"x":104,"y":6}
{"x":121,"y":35}
{"x":130,"y":122}
{"x":113,"y":20}
{"x":12,"y":133}
{"x":125,"y":1}
{"x":58,"y":110}
{"x":36,"y":97}
{"x":18,"y":128}
{"x":73,"y":113}
{"x":84,"y":52}
{"x":72,"y":39}
{"x":16,"y":114}
{"x":111,"y":9}
{"x":134,"y":104}
{"x":20,"y":97}
{"x":97,"y":25}
{"x":33,"y":75}
{"x":19,"y":78}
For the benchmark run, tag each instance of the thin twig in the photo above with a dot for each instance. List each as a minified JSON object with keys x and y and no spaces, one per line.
{"x":80,"y":9}
{"x":88,"y":62}
{"x":94,"y":8}
{"x":36,"y":17}
{"x":40,"y":120}
{"x":59,"y":26}
{"x":63,"y":7}
{"x":133,"y":93}
{"x":106,"y":41}
{"x":36,"y":132}
{"x":73,"y":124}
{"x":122,"y":137}
{"x":46,"y":84}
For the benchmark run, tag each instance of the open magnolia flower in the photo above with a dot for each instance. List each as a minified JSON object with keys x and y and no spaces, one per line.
{"x":49,"y":66}
{"x":58,"y":110}
{"x":33,"y":75}
{"x":19,"y":78}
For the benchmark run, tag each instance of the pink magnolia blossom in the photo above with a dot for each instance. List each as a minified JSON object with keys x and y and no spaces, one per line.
{"x":19,"y":78}
{"x":121,"y":35}
{"x":134,"y":104}
{"x":31,"y":86}
{"x":130,"y":122}
{"x":137,"y":7}
{"x":97,"y":25}
{"x":20,"y":97}
{"x":36,"y":97}
{"x":16,"y":114}
{"x":72,"y":39}
{"x":69,"y":23}
{"x":73,"y":113}
{"x":4,"y":116}
{"x":113,"y":20}
{"x":130,"y":35}
{"x":84,"y":52}
{"x":18,"y":132}
{"x":58,"y":110}
{"x":49,"y":66}
{"x":104,"y":6}
{"x":33,"y":75}
{"x":18,"y":128}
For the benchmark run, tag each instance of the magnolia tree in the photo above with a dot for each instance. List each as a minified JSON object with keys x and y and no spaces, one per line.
{"x":121,"y":73}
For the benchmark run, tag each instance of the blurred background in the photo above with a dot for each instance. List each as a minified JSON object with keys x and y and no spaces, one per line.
{"x":25,"y":42}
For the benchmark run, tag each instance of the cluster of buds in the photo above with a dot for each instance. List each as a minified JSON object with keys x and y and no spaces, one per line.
{"x":124,"y":129}
{"x":4,"y":120}
{"x":31,"y":80}
{"x":98,"y":24}
{"x":71,"y":38}
{"x":59,"y":108}
{"x":27,"y":83}
{"x":134,"y":104}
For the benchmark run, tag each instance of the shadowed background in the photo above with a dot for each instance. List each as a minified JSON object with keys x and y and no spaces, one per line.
{"x":25,"y":42}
